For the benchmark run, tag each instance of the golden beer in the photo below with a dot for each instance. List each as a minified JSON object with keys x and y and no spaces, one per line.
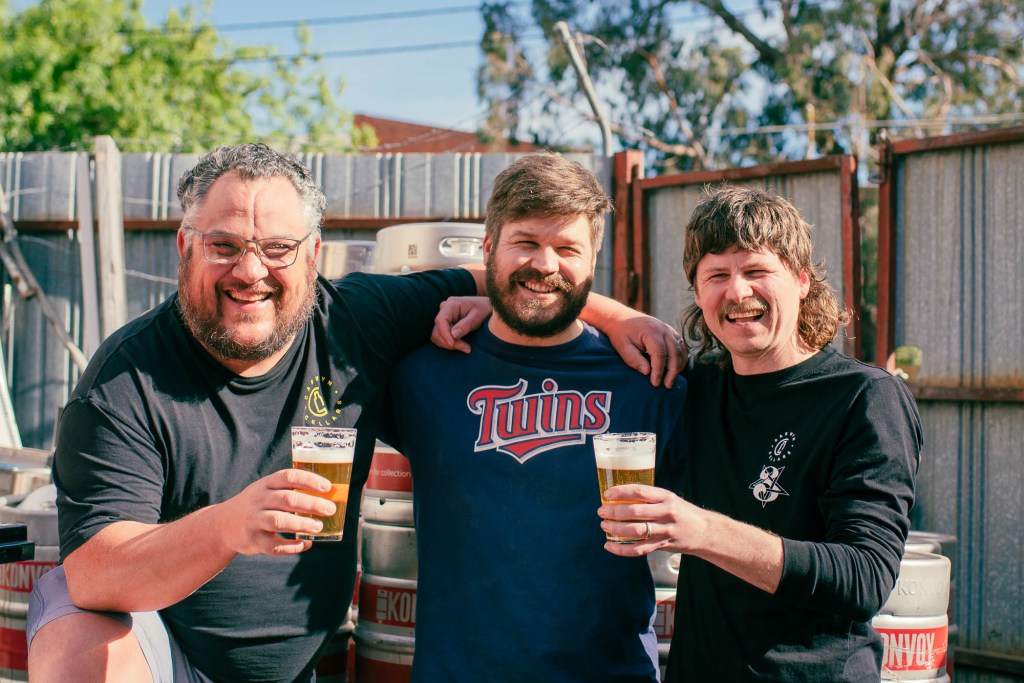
{"x":624,"y":458}
{"x":328,"y":452}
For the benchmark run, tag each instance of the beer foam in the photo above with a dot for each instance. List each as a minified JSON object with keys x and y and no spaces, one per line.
{"x":615,"y":459}
{"x":323,"y":454}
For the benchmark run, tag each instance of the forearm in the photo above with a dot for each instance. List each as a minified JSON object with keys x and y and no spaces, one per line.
{"x":676,"y":525}
{"x":603,"y":312}
{"x":841,"y":578}
{"x":747,"y":552}
{"x":130,"y":566}
{"x":479,"y":276}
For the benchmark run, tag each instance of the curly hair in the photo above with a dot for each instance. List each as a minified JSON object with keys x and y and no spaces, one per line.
{"x":251,"y":160}
{"x":754,"y":219}
{"x":545,"y":185}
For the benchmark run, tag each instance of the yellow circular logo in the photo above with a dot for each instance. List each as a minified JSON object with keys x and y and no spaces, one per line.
{"x":323,"y":405}
{"x":315,"y":403}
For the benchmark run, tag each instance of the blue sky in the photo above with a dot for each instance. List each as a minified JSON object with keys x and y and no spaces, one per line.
{"x":435,"y":87}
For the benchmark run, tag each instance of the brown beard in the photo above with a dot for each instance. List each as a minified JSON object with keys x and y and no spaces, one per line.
{"x":217,"y":339}
{"x":513,"y":316}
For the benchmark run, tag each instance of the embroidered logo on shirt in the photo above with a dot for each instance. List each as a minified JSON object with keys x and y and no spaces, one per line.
{"x":523,"y":425}
{"x":766,"y":488}
{"x":323,"y":405}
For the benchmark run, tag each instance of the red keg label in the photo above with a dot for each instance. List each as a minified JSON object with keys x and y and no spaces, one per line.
{"x":20,"y":577}
{"x":13,"y":649}
{"x":389,"y":471}
{"x":387,"y":605}
{"x":665,"y":618}
{"x":914,"y":649}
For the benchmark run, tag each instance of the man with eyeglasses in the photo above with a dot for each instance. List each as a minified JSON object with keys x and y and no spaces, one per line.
{"x":173,"y":459}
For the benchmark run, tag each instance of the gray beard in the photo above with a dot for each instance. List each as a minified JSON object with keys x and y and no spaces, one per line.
{"x":218,"y":340}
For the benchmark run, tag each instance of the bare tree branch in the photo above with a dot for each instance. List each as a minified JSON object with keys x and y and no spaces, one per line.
{"x":684,"y":125}
{"x":769,"y":55}
{"x":646,"y":137}
{"x":871,"y":63}
{"x":999,"y":65}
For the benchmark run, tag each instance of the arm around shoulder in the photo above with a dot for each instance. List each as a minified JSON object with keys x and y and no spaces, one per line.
{"x":646,"y":344}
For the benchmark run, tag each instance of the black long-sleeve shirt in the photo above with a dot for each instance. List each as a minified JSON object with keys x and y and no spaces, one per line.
{"x":824,"y":454}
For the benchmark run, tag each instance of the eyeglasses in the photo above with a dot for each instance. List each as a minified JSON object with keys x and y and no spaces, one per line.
{"x":274,"y":252}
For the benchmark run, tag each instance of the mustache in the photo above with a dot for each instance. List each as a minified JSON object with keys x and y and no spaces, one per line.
{"x":257,"y":288}
{"x":527,"y":274}
{"x":744,"y":308}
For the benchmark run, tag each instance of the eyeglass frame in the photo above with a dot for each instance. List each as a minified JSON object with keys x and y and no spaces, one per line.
{"x":245,"y":247}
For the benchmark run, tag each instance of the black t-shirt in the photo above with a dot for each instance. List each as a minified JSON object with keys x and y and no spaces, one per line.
{"x":823,"y":454}
{"x":156,"y":429}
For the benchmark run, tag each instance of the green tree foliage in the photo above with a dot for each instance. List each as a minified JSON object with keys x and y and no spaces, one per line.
{"x":73,"y":69}
{"x":706,"y":83}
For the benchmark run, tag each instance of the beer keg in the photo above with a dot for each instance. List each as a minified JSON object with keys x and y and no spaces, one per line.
{"x":913,"y":621}
{"x":23,"y":471}
{"x":384,"y":633}
{"x":922,"y":586}
{"x":383,"y":658}
{"x":915,"y":647}
{"x":387,"y":495}
{"x":340,"y":257}
{"x":420,"y":246}
{"x":336,"y":662}
{"x":946,"y":545}
{"x":38,"y":512}
{"x":665,"y":572}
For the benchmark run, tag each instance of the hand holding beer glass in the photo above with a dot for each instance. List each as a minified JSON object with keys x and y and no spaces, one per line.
{"x":624,"y":458}
{"x":328,"y":452}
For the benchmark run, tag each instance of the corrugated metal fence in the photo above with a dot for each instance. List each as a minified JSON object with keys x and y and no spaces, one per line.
{"x":364,"y":193}
{"x":951,"y":281}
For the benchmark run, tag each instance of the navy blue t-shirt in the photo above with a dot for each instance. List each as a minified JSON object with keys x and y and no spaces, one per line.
{"x":514,"y":582}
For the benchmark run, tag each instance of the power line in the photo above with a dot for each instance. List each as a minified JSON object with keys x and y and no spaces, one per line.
{"x":363,"y":52}
{"x":351,"y":19}
{"x":327,"y":21}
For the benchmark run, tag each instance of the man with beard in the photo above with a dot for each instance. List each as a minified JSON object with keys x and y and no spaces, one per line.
{"x":798,"y":472}
{"x":512,"y":582}
{"x":173,"y":456}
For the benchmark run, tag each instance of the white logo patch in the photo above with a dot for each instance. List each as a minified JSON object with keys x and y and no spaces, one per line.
{"x":766,"y":488}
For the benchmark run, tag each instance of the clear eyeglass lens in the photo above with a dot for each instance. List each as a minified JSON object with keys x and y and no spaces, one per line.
{"x":274,"y":251}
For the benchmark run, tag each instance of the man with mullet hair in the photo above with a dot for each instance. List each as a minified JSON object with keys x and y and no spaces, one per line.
{"x":798,"y":472}
{"x":513,"y":583}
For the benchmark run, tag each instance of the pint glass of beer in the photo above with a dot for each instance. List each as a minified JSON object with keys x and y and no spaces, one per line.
{"x":624,"y":458}
{"x":329,"y":452}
